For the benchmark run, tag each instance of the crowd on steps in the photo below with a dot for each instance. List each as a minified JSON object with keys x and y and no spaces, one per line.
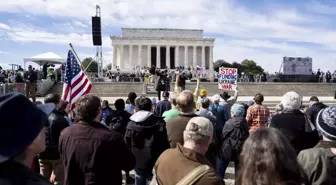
{"x":187,"y":138}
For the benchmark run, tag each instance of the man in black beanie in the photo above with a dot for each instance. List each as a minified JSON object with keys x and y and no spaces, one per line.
{"x":22,"y":137}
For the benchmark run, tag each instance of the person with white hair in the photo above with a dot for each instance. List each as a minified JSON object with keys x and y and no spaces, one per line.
{"x":294,"y":124}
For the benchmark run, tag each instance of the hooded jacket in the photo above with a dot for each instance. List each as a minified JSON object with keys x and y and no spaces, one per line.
{"x":234,"y":134}
{"x":146,"y":136}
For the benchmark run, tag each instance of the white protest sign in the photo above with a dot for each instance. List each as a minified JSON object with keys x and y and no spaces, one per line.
{"x":227,"y":78}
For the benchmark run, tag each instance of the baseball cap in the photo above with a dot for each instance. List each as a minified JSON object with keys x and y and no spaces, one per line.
{"x":203,"y":92}
{"x":326,"y":122}
{"x":200,"y":125}
{"x":19,"y":131}
{"x":314,"y":98}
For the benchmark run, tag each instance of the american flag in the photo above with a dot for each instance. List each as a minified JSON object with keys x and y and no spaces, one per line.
{"x":76,"y":83}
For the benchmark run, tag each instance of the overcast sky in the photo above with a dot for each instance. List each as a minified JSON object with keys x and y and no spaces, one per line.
{"x":262,"y":30}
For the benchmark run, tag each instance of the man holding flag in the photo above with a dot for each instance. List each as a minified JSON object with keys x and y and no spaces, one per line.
{"x":76,"y":83}
{"x":91,"y":153}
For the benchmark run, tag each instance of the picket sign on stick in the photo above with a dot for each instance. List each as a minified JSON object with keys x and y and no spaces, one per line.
{"x":227,"y":78}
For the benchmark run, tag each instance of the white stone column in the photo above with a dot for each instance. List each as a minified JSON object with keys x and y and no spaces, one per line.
{"x":158,"y":63}
{"x":168,"y":56}
{"x":149,"y":56}
{"x":114,"y":61}
{"x":194,"y":57}
{"x":186,"y":57}
{"x":121,"y":66}
{"x":203,"y":57}
{"x":130,"y":56}
{"x":211,"y":58}
{"x":140,"y":55}
{"x":177,"y":56}
{"x":211,"y":74}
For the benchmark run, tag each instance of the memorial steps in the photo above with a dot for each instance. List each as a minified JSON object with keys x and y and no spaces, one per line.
{"x":121,"y":89}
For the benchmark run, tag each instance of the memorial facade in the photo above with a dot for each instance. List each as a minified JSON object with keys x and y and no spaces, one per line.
{"x":138,"y":47}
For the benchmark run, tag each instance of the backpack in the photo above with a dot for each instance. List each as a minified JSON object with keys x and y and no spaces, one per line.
{"x":233,"y":143}
{"x":117,"y":124}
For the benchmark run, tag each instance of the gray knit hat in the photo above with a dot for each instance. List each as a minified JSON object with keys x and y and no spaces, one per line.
{"x":238,"y":110}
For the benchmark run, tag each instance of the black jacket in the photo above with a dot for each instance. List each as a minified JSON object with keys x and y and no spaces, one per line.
{"x":118,"y":120}
{"x":14,"y":173}
{"x":31,"y":76}
{"x":314,"y":110}
{"x":146,"y":135}
{"x":94,"y":155}
{"x":292,"y":123}
{"x":57,"y":123}
{"x":234,"y":134}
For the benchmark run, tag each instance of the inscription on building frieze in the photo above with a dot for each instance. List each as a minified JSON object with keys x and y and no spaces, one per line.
{"x":167,"y":33}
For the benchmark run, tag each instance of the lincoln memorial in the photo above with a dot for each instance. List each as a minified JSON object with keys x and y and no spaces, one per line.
{"x":139,"y":47}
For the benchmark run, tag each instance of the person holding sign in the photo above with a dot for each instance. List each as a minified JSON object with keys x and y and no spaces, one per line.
{"x":227,"y":81}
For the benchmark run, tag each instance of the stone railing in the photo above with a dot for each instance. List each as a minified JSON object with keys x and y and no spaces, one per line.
{"x":12,"y":87}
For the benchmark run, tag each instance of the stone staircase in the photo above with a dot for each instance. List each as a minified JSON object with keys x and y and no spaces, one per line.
{"x":245,"y":89}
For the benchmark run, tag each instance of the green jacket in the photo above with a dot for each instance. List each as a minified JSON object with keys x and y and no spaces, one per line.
{"x":319,"y":163}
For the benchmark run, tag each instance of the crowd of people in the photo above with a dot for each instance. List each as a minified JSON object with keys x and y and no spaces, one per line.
{"x":186,"y":138}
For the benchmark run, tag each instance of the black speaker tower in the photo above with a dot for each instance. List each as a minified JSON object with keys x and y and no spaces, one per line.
{"x":96,"y":31}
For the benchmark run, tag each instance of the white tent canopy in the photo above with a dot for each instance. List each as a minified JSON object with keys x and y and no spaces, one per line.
{"x":41,"y":59}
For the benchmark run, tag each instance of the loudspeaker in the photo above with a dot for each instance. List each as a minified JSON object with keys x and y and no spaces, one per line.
{"x":96,"y":31}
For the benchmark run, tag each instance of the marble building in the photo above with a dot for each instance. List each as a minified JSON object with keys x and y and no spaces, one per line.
{"x":138,"y":47}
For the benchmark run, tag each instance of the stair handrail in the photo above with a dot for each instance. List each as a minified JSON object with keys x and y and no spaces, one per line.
{"x":44,"y":87}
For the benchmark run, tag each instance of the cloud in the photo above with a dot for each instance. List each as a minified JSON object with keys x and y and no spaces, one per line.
{"x":3,"y":52}
{"x":107,"y":56}
{"x":325,"y":8}
{"x":30,"y":35}
{"x":80,"y":24}
{"x":263,"y":34}
{"x":4,"y":26}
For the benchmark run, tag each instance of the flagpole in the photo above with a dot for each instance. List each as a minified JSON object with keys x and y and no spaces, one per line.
{"x":84,"y":70}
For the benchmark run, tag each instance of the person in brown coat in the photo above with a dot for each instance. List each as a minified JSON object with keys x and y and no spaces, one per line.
{"x":175,"y":126}
{"x":175,"y":164}
{"x":91,"y":153}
